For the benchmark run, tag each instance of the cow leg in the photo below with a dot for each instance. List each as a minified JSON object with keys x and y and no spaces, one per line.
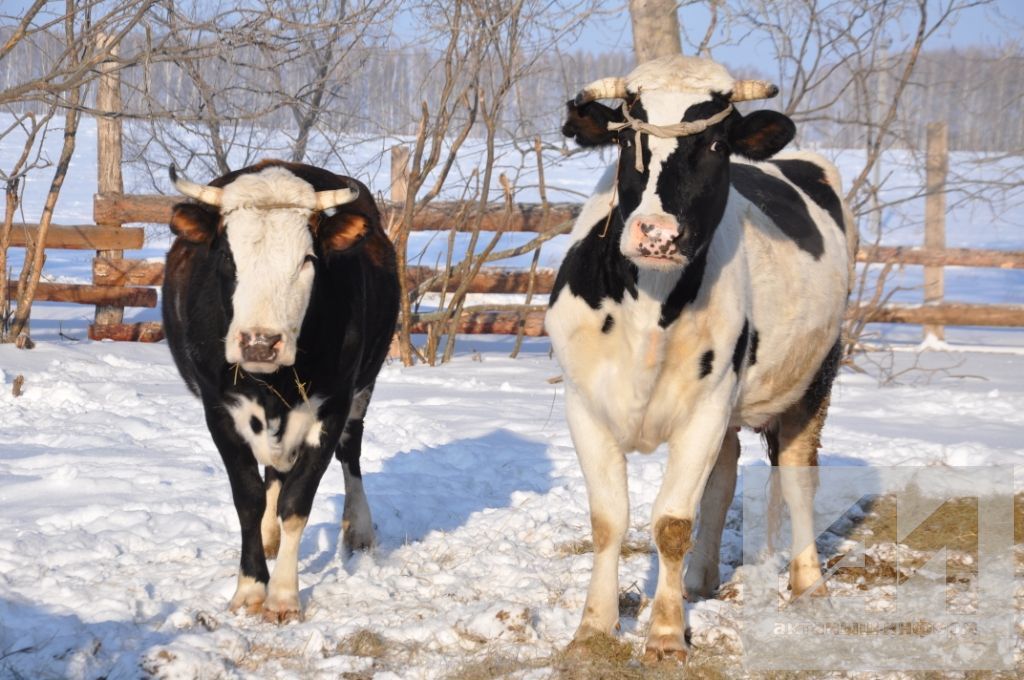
{"x":604,"y":469}
{"x":293,"y":507}
{"x":701,"y":579}
{"x":270,"y":526}
{"x":692,"y":455}
{"x":356,"y":522}
{"x":799,"y":438}
{"x":248,"y":495}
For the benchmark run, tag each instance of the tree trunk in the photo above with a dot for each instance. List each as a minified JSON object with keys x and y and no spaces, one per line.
{"x":655,"y":29}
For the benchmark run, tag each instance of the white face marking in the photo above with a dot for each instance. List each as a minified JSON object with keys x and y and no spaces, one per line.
{"x":663,"y":108}
{"x":269,"y":247}
{"x":270,"y":446}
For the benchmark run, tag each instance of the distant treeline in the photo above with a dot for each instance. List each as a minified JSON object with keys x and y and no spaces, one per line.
{"x":377,"y":91}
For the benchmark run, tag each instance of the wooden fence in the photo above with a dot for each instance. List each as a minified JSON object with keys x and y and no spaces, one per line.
{"x":119,"y":282}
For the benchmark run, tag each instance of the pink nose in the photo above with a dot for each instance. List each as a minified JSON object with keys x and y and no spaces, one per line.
{"x":654,"y":236}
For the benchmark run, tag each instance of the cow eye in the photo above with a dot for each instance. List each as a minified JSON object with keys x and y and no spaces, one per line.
{"x":717,"y":146}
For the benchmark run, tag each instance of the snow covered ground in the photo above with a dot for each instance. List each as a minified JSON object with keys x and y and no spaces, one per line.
{"x":120,"y":542}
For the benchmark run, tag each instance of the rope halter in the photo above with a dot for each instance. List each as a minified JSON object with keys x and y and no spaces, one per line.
{"x":616,"y":88}
{"x":683,"y":129}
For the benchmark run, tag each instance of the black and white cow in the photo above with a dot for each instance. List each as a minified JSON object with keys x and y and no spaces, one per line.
{"x":704,"y":291}
{"x":279,"y":302}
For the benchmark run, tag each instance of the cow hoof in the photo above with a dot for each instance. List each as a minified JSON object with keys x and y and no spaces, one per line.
{"x":249,"y":596}
{"x":271,"y":538}
{"x":281,"y":610}
{"x":665,"y":648}
{"x":701,"y":583}
{"x":357,"y":536}
{"x":250,"y":608}
{"x":353,"y":541}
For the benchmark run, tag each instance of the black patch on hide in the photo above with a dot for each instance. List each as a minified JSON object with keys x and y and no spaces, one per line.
{"x":685,"y":291}
{"x":811,"y":180}
{"x":781,"y":203}
{"x":594,"y":268}
{"x":741,"y":347}
{"x":706,"y":361}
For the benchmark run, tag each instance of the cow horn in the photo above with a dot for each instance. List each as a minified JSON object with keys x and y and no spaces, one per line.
{"x":202,"y":193}
{"x":606,"y":88}
{"x":745,"y":90}
{"x":335,"y":197}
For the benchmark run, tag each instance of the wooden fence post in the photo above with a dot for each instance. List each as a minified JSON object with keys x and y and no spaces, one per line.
{"x":399,"y":173}
{"x":108,"y":158}
{"x":399,"y":192}
{"x":937,"y":166}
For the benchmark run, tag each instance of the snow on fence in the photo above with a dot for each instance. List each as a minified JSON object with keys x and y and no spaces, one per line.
{"x":119,"y":282}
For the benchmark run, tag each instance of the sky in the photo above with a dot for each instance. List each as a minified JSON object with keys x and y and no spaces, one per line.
{"x":995,"y":24}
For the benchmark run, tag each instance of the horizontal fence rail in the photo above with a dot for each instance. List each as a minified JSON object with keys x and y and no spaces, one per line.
{"x":119,"y":282}
{"x":129,"y":282}
{"x":126,"y":282}
{"x":435,"y":216}
{"x":80,"y":237}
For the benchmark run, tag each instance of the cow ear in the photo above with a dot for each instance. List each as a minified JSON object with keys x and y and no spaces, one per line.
{"x":761,"y":135}
{"x":588,"y":123}
{"x":341,"y":231}
{"x":194,"y":223}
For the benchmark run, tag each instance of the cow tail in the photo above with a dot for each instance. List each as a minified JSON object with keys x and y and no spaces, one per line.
{"x":852,"y":246}
{"x":773,"y":522}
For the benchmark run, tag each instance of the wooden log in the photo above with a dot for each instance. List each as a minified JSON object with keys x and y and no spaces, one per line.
{"x":92,"y":295}
{"x":936,"y":167}
{"x":948,"y":257}
{"x":151,"y":331}
{"x":506,"y":323}
{"x":129,"y":208}
{"x":496,"y":323}
{"x":525,"y":217}
{"x":947,"y":314}
{"x":80,"y":237}
{"x":437,"y":216}
{"x":129,"y":272}
{"x":108,"y":272}
{"x":121,"y":272}
{"x":490,"y":280}
{"x":108,"y":155}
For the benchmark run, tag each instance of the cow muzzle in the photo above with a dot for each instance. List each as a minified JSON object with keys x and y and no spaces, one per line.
{"x":260,"y":349}
{"x":652,"y":241}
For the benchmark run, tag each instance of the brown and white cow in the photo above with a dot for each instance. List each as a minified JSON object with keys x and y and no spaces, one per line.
{"x":704,"y":291}
{"x":279,"y":303}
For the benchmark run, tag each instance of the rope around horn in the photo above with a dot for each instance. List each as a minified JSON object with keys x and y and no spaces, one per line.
{"x":683,"y":129}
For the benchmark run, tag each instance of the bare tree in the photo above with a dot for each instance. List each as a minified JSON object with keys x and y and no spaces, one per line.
{"x":655,"y":29}
{"x":848,"y":72}
{"x":87,"y":34}
{"x":489,"y":49}
{"x":253,"y":81}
